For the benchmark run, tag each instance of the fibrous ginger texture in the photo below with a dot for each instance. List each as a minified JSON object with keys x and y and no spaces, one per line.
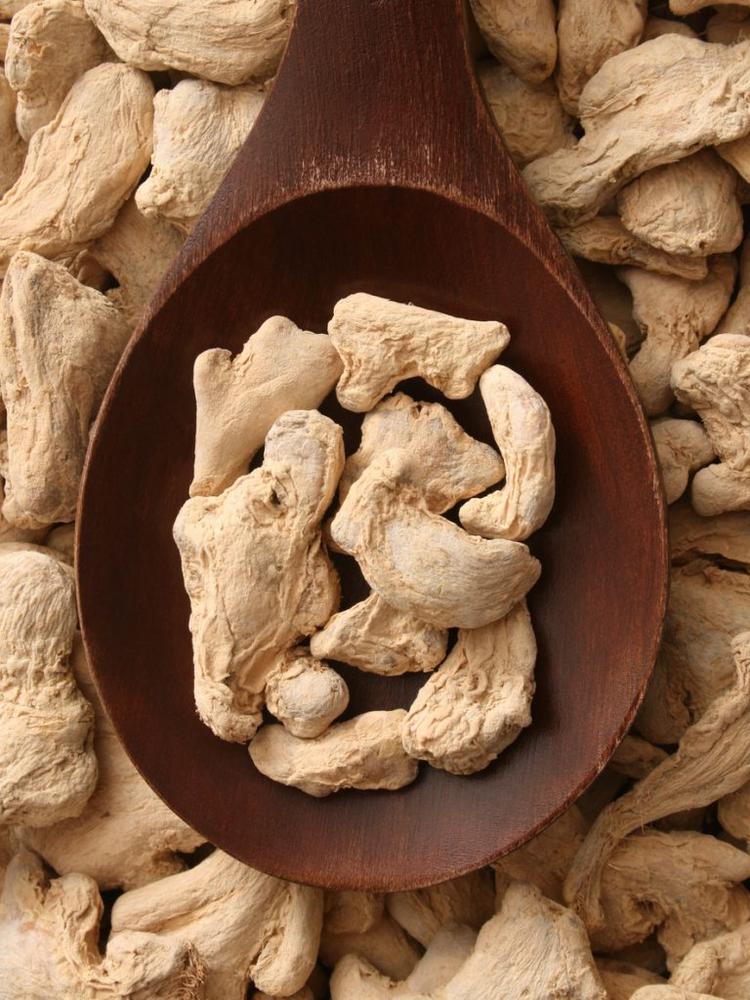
{"x":81,"y":168}
{"x":725,"y":535}
{"x":198,"y":130}
{"x":682,"y":447}
{"x":520,"y":33}
{"x":12,"y":146}
{"x":229,"y":41}
{"x":59,"y":344}
{"x":384,"y":946}
{"x":383,"y":342}
{"x":650,"y":105}
{"x":47,"y":763}
{"x":468,"y":900}
{"x":305,"y":694}
{"x":243,"y":925}
{"x":721,"y":965}
{"x":256,"y":569}
{"x":364,"y":752}
{"x":477,"y":702}
{"x":420,"y":562}
{"x":280,"y":368}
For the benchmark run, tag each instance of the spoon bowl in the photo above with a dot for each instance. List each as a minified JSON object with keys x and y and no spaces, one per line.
{"x":299,"y":223}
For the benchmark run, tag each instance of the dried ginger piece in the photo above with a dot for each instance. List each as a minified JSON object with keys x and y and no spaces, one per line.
{"x":530,"y":116}
{"x":711,"y":761}
{"x":478,"y":701}
{"x":305,"y":695}
{"x":47,"y":764}
{"x":670,"y":993}
{"x":606,"y":240}
{"x":590,"y":32}
{"x":382,"y":343}
{"x":520,"y":33}
{"x":125,"y":836}
{"x":52,"y":43}
{"x":421,"y":563}
{"x":199,"y":128}
{"x":243,"y":925}
{"x":10,"y":7}
{"x":238,"y":398}
{"x":59,"y":344}
{"x":380,"y":639}
{"x":674,"y":316}
{"x":687,"y":208}
{"x":715,"y":382}
{"x":721,"y":965}
{"x":658,"y":26}
{"x":256,"y":569}
{"x":365,"y":752}
{"x":60,"y":203}
{"x":639,"y":111}
{"x":12,"y":146}
{"x":447,"y":464}
{"x":229,"y":42}
{"x":384,"y":946}
{"x":724,"y":535}
{"x":636,"y":757}
{"x":682,"y":447}
{"x":468,"y":900}
{"x":48,"y":935}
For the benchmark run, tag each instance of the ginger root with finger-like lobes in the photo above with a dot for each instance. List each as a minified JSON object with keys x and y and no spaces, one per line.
{"x":448,"y":465}
{"x":639,"y":111}
{"x":476,"y":704}
{"x":380,"y":639}
{"x":61,"y":202}
{"x":238,"y":398}
{"x":715,"y":382}
{"x":522,"y":428}
{"x":521,"y":34}
{"x":383,"y":342}
{"x":682,"y":447}
{"x":256,"y":569}
{"x":420,"y":562}
{"x":12,"y":146}
{"x":305,"y":695}
{"x":674,"y":315}
{"x":243,"y":925}
{"x":59,"y":344}
{"x":721,"y":965}
{"x":364,"y":752}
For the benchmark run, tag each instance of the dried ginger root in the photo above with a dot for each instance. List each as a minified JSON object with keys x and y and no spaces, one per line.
{"x":12,"y":146}
{"x":682,"y":447}
{"x":721,"y":965}
{"x":468,"y":900}
{"x":305,"y":695}
{"x":521,"y":34}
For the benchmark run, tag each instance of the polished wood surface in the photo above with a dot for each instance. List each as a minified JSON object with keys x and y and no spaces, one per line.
{"x":374,"y":165}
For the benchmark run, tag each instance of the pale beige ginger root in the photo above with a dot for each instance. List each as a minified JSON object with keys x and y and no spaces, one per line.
{"x":383,"y":342}
{"x":545,"y":860}
{"x":682,"y":447}
{"x":589,"y":32}
{"x":305,"y":695}
{"x":737,"y":153}
{"x":350,"y":912}
{"x":125,"y":836}
{"x":715,"y":382}
{"x":657,"y":26}
{"x":606,"y":240}
{"x":720,"y":966}
{"x":421,"y":563}
{"x":136,"y":251}
{"x":364,"y":752}
{"x":622,"y":979}
{"x":684,"y":885}
{"x":670,"y":993}
{"x":48,"y":935}
{"x":256,"y":569}
{"x":447,"y":464}
{"x":59,"y":344}
{"x":477,"y":702}
{"x":380,"y":639}
{"x":8,"y":8}
{"x":522,"y":427}
{"x":244,"y":925}
{"x":674,"y":316}
{"x":52,"y":43}
{"x":238,"y":398}
{"x":737,"y":317}
{"x":12,"y":146}
{"x":521,"y":34}
{"x":711,"y":761}
{"x":47,"y":763}
{"x":385,"y":946}
{"x":9,"y":532}
{"x":636,"y":757}
{"x":685,"y":208}
{"x":61,"y":202}
{"x":199,"y":128}
{"x":643,"y":109}
{"x":61,"y":540}
{"x":468,"y":900}
{"x":724,"y":535}
{"x":530,"y":117}
{"x":230,"y":41}
{"x":4,"y":36}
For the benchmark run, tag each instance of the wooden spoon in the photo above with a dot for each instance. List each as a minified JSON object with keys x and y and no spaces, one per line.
{"x":375,"y":166}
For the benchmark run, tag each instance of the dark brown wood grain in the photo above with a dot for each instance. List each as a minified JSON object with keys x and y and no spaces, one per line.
{"x":375,"y":166}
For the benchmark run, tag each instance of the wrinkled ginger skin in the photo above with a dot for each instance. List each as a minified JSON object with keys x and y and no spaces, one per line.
{"x":477,"y":702}
{"x":468,"y":900}
{"x":256,"y":569}
{"x":682,"y":447}
{"x":521,"y":34}
{"x":365,"y":752}
{"x":12,"y":146}
{"x":61,"y":202}
{"x":383,"y":342}
{"x":721,"y":965}
{"x":421,"y":563}
{"x":305,"y":695}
